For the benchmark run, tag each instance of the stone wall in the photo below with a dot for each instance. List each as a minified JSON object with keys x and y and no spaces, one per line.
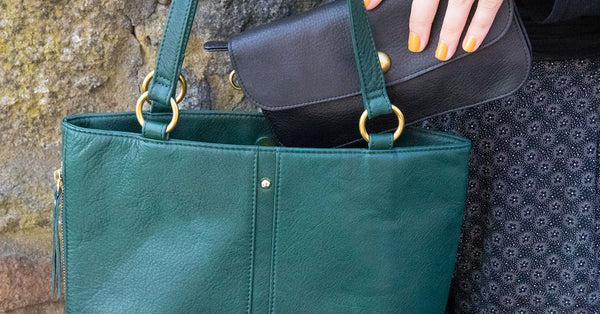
{"x":61,"y":57}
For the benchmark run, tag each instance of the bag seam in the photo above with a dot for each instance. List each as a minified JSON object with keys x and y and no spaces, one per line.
{"x":276,"y":227}
{"x":183,"y":113}
{"x":286,"y":150}
{"x":252,"y":233}
{"x":243,"y":115}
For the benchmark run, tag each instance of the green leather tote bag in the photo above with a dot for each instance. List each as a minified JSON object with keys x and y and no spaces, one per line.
{"x":194,"y":212}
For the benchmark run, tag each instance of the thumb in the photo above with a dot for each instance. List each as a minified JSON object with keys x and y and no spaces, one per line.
{"x":372,"y":4}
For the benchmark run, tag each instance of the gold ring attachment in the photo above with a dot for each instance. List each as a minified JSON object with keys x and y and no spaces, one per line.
{"x":182,"y":80}
{"x":140,"y":117}
{"x":232,"y":81}
{"x":363,"y":121}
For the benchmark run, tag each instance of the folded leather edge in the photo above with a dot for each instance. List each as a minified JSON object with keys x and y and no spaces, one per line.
{"x":511,"y":17}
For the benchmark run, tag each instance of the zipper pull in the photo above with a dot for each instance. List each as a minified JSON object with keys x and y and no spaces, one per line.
{"x":58,"y":178}
{"x":56,"y":244}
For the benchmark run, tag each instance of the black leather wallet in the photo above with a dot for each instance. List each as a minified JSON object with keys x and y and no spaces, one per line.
{"x":301,"y":71}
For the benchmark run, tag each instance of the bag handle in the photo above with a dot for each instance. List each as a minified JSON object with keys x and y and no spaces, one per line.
{"x":172,"y":52}
{"x":372,"y":82}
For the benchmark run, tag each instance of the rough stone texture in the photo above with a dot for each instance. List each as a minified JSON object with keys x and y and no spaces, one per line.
{"x":60,"y":57}
{"x":21,"y":280}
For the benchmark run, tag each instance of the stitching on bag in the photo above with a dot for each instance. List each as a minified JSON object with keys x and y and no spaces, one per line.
{"x":381,"y":94}
{"x":215,"y":113}
{"x":183,"y":113}
{"x":360,"y":54}
{"x":253,"y":233}
{"x":430,"y":133}
{"x":277,"y":196}
{"x":380,"y":79}
{"x":285,"y":150}
{"x":158,"y":74}
{"x":179,"y":31}
{"x":182,"y":45}
{"x":187,"y":33}
{"x":390,"y":84}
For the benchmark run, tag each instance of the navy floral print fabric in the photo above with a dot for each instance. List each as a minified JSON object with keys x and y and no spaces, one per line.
{"x":531,"y":232}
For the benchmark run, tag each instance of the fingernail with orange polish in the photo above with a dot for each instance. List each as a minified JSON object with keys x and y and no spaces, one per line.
{"x":414,"y":42}
{"x":367,"y":2}
{"x":470,"y":44}
{"x":442,"y":51}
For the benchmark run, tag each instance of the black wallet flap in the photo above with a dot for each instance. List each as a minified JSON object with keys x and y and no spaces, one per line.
{"x":308,"y":58}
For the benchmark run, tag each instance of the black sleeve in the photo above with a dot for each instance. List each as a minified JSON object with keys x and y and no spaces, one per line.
{"x":562,"y":28}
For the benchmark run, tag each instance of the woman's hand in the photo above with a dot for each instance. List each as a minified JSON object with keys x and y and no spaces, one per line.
{"x":421,"y":18}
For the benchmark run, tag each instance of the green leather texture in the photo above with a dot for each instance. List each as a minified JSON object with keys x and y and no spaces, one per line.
{"x":186,"y":225}
{"x":155,"y":130}
{"x":171,"y":54}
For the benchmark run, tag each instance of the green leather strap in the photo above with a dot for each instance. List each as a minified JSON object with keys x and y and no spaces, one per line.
{"x":372,"y":83}
{"x":155,"y":130}
{"x":375,"y":97}
{"x":381,"y":141}
{"x":171,"y":54}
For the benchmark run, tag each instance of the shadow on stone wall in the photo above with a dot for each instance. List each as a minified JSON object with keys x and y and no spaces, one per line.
{"x":60,"y":57}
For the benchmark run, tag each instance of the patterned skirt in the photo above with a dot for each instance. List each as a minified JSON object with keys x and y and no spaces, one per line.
{"x":531,"y":232}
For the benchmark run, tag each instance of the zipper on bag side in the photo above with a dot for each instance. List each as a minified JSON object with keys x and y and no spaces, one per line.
{"x":58,"y":238}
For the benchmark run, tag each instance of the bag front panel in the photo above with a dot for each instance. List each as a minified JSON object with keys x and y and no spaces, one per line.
{"x":182,"y":226}
{"x":155,"y":228}
{"x":373,"y":233}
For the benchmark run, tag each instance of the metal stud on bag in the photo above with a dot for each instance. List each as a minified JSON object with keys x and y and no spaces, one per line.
{"x":385,"y":61}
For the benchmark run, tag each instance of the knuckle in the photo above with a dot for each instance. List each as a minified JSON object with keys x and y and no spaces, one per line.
{"x":420,"y":21}
{"x":479,"y":26}
{"x":452,"y":30}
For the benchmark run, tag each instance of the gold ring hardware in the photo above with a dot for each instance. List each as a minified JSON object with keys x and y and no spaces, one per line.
{"x":363,"y":121}
{"x":140,"y":116}
{"x":385,"y":61}
{"x":232,"y":81}
{"x":181,"y":94}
